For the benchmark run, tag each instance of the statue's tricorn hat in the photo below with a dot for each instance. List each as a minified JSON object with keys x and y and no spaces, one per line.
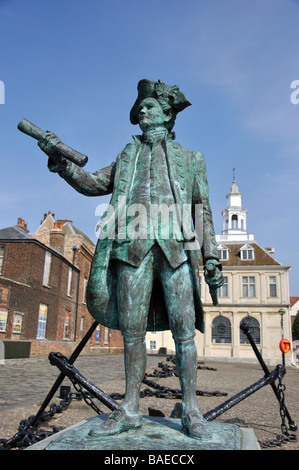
{"x":167,"y":96}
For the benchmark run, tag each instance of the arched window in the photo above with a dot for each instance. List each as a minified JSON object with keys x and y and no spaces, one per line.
{"x":254,"y":330}
{"x":234,"y":221}
{"x":221,"y":330}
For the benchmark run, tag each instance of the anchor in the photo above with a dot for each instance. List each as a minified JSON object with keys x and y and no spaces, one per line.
{"x":67,"y":369}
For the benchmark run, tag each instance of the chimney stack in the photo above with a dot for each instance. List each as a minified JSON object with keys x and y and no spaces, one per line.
{"x":22,"y":225}
{"x":57,"y":236}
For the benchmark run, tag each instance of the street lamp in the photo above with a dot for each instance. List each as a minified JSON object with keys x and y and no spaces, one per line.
{"x":282,"y":313}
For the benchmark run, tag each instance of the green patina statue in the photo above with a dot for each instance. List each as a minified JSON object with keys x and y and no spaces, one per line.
{"x":141,"y":279}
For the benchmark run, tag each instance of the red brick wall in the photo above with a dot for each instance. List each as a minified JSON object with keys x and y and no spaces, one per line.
{"x":43,"y":348}
{"x":22,"y":291}
{"x":22,"y":275}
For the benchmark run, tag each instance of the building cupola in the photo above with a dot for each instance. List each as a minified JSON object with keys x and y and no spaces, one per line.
{"x":235,"y":217}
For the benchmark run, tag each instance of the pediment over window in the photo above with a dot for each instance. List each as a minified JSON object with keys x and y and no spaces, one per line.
{"x":223,"y":252}
{"x":247,"y":252}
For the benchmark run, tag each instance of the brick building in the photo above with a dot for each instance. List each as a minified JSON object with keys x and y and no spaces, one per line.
{"x":43,"y":279}
{"x":294,"y":304}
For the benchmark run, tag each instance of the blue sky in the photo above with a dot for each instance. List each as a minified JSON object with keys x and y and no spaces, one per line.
{"x":73,"y":67}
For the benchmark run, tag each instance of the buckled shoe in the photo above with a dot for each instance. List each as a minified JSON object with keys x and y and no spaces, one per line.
{"x":117,"y":422}
{"x":195,"y":426}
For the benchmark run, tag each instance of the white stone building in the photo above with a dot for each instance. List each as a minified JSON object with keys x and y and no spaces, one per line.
{"x":256,"y":289}
{"x":294,"y":308}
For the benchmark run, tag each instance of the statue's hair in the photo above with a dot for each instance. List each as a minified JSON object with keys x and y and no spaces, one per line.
{"x":165,"y":95}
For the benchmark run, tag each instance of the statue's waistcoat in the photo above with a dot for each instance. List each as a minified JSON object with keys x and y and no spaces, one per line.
{"x":152,"y":199}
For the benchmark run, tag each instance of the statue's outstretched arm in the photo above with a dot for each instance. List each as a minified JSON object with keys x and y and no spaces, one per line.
{"x":89,"y":184}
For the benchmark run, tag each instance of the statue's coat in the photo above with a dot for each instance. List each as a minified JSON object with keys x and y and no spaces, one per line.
{"x":188,"y":179}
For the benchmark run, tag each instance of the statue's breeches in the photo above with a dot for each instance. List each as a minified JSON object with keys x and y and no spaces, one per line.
{"x":134,"y":290}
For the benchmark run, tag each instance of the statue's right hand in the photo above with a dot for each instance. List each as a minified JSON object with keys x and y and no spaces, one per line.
{"x":48,"y":143}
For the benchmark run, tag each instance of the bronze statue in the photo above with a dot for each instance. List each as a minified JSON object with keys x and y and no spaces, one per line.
{"x":141,"y":280}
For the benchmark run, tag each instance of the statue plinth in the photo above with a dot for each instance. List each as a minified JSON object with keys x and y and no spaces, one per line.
{"x":156,"y":434}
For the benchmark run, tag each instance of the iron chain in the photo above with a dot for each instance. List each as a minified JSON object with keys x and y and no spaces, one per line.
{"x":281,"y":391}
{"x":86,"y":396}
{"x":286,"y":436}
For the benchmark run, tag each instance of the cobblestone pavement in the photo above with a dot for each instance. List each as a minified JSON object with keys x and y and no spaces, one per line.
{"x":24,"y":384}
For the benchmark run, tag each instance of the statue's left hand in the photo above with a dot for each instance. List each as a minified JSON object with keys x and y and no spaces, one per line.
{"x":213,"y":274}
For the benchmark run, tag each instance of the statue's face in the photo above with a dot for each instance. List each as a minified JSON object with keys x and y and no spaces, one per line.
{"x":151,"y":114}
